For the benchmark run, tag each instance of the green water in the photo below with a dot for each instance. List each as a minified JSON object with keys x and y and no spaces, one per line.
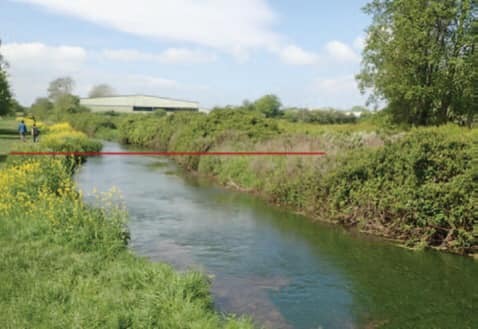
{"x":280,"y":268}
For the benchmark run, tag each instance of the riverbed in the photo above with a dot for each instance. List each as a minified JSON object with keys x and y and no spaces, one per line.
{"x":277,"y":267}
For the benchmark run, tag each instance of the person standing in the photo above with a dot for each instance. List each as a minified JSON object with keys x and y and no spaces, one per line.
{"x":22,"y":129}
{"x":35,"y":133}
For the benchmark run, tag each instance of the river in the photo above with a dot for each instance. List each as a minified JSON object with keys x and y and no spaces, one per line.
{"x":278,"y":267}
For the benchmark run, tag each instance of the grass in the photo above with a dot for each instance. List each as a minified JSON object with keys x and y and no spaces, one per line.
{"x":8,"y":136}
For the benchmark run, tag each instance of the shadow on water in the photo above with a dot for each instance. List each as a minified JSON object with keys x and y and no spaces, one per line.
{"x":278,"y":267}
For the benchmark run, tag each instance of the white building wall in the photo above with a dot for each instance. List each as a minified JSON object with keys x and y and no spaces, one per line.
{"x":127,"y":103}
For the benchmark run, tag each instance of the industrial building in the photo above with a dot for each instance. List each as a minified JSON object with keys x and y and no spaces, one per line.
{"x":137,"y":104}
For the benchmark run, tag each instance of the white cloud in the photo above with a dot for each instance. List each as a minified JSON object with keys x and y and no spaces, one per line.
{"x":151,"y":82}
{"x":297,"y":56}
{"x":169,"y":56}
{"x":341,"y":52}
{"x":28,"y":56}
{"x":226,"y":25}
{"x":339,"y":91}
{"x":34,"y":65}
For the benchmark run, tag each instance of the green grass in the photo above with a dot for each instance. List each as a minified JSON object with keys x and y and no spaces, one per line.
{"x":8,"y":136}
{"x":52,"y":285}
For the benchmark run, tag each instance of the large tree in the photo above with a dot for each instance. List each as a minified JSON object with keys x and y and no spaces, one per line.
{"x":60,"y":87}
{"x":269,"y":105}
{"x":42,"y":108}
{"x":418,"y":58}
{"x":101,"y":90}
{"x":5,"y":93}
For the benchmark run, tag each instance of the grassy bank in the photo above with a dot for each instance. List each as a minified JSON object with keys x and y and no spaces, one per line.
{"x":414,"y":186}
{"x":66,"y":264}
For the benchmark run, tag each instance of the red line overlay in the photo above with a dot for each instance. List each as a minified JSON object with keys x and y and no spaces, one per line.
{"x":93,"y":154}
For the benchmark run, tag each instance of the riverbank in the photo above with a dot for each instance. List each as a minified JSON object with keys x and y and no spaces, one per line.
{"x":66,"y":264}
{"x":414,"y":186}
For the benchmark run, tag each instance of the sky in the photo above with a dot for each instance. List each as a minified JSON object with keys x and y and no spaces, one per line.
{"x":216,"y":52}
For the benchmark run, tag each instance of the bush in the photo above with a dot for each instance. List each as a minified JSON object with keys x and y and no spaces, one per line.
{"x":319,"y":116}
{"x":93,"y":123}
{"x":417,"y":189}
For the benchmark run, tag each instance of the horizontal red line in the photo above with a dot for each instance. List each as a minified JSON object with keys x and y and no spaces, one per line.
{"x":92,"y":154}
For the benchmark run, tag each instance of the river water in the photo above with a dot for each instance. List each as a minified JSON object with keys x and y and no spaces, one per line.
{"x":278,"y":267}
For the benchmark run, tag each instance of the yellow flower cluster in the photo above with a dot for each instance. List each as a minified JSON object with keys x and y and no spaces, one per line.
{"x":42,"y":188}
{"x":22,"y":186}
{"x":60,"y":127}
{"x":29,"y":122}
{"x":60,"y":136}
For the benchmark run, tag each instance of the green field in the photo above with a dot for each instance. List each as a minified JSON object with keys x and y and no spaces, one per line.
{"x":8,"y":135}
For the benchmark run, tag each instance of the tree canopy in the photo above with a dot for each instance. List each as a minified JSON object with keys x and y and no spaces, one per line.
{"x":419,"y":58}
{"x":60,"y":87}
{"x":5,"y":93}
{"x":269,"y":105}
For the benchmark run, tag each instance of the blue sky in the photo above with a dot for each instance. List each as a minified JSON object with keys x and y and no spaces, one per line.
{"x":217,"y":52}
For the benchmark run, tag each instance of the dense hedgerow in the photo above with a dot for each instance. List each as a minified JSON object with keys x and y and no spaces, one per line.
{"x":413,"y":186}
{"x":100,"y":125}
{"x":418,"y":189}
{"x":65,"y":264}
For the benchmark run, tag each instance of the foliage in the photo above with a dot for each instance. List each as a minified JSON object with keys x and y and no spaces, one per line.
{"x":16,"y":107}
{"x":418,"y":58}
{"x":60,"y":87}
{"x":5,"y":93}
{"x":418,"y":189}
{"x":195,"y":131}
{"x":67,"y":104}
{"x":101,"y":125}
{"x":63,"y":106}
{"x":270,"y":105}
{"x":319,"y":116}
{"x":101,"y":90}
{"x":42,"y":108}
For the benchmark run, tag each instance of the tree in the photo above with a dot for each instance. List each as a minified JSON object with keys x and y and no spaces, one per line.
{"x":16,"y":107}
{"x":247,"y":105}
{"x":269,"y":105}
{"x":41,"y":108}
{"x":5,"y":93}
{"x":101,"y":90}
{"x":417,"y":58}
{"x":59,"y":87}
{"x":68,"y":104}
